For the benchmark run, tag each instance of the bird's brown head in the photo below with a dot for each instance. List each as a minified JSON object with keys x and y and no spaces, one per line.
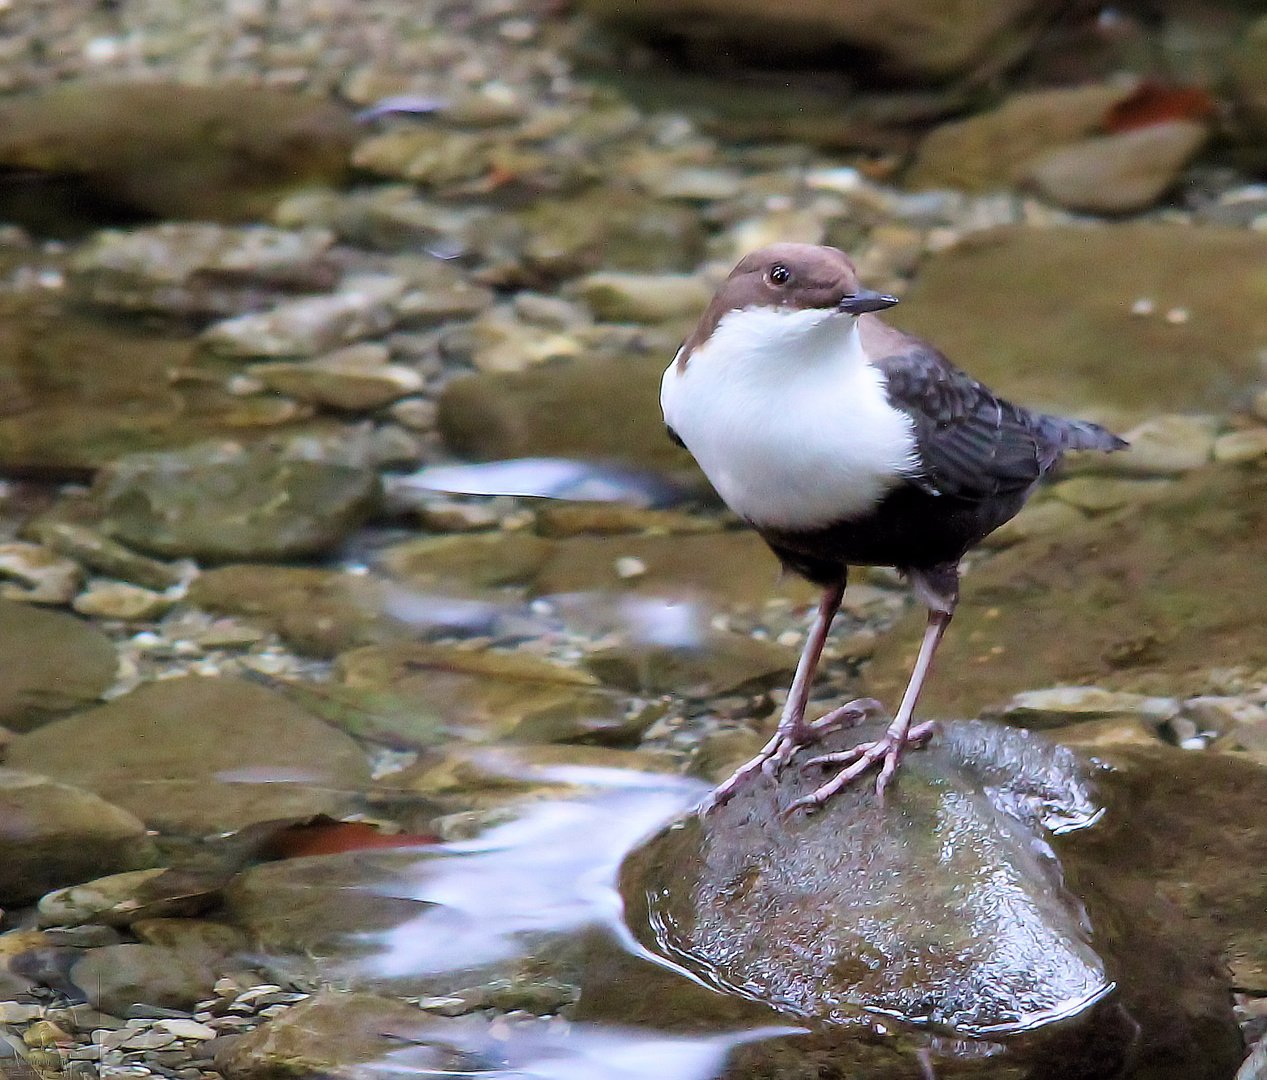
{"x":788,"y":277}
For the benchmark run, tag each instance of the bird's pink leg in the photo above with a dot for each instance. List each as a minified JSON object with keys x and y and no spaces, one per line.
{"x":890,"y":746}
{"x":793,"y":732}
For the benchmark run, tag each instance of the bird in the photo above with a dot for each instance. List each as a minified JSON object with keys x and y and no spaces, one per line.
{"x":844,"y":441}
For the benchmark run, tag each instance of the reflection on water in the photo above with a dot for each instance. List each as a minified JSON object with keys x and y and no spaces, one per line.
{"x":558,"y":1050}
{"x":552,"y":870}
{"x":552,"y":478}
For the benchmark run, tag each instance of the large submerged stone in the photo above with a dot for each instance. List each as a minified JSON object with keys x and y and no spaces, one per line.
{"x":941,"y":919}
{"x":941,"y":911}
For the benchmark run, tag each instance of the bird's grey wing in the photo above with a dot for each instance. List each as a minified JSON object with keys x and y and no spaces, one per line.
{"x":971,"y":443}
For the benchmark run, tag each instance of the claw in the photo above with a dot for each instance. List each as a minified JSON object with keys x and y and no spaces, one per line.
{"x":888,"y":747}
{"x":783,"y":746}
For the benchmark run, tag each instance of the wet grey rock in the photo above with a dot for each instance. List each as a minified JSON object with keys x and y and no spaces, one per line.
{"x":1118,"y":173}
{"x":223,"y":501}
{"x":198,"y":755}
{"x":944,"y":913}
{"x":363,"y":307}
{"x":956,"y":922}
{"x":54,"y":834}
{"x":317,"y":612}
{"x":719,"y":664}
{"x":54,"y":663}
{"x":116,"y":977}
{"x":332,"y":910}
{"x":197,"y":268}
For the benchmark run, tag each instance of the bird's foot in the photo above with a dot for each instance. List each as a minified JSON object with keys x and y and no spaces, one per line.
{"x":858,"y":759}
{"x":786,"y":742}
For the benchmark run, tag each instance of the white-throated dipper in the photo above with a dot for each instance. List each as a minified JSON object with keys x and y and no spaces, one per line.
{"x":846,"y":442}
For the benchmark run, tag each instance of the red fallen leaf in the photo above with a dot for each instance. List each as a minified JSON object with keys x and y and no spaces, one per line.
{"x":333,"y":837}
{"x":1156,"y":103}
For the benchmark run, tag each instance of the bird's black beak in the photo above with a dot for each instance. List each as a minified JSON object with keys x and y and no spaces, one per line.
{"x":865,"y":300}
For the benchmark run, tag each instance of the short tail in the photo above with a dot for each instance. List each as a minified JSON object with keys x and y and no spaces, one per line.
{"x":1078,"y":435}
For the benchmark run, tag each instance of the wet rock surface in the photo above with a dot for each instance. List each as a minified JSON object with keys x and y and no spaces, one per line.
{"x":1076,"y":350}
{"x":147,"y":147}
{"x":55,"y":834}
{"x":1155,"y":618}
{"x":251,"y":756}
{"x":224,"y":502}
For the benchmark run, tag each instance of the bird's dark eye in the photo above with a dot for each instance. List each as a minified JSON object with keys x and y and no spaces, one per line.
{"x":780,"y":274}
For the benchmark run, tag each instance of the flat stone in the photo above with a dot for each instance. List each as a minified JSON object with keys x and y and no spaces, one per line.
{"x":253,"y":756}
{"x":317,"y":612}
{"x":1150,"y":601}
{"x":224,"y":502}
{"x":417,"y":695}
{"x":501,"y":342}
{"x":332,"y":1033}
{"x":116,"y":977}
{"x":491,"y":560}
{"x":199,"y":268}
{"x":357,"y":378}
{"x":1164,"y":446}
{"x":119,"y":600}
{"x":644,"y":298}
{"x":56,"y":835}
{"x":106,"y":556}
{"x":1118,"y":173}
{"x":992,"y":149}
{"x":733,"y":570}
{"x":988,"y":304}
{"x":1074,"y":704}
{"x":362,"y":308}
{"x":720,"y":664}
{"x":922,"y":41}
{"x":37,"y":574}
{"x":213,"y":945}
{"x":120,"y":899}
{"x":271,"y":142}
{"x":1097,"y":494}
{"x":1240,"y":446}
{"x":328,"y":907}
{"x":55,"y":663}
{"x":563,"y":410}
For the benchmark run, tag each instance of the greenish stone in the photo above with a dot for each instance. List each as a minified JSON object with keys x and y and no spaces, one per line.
{"x":54,"y":663}
{"x":204,"y":153}
{"x":1044,"y":316}
{"x":224,"y":502}
{"x":1149,"y":599}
